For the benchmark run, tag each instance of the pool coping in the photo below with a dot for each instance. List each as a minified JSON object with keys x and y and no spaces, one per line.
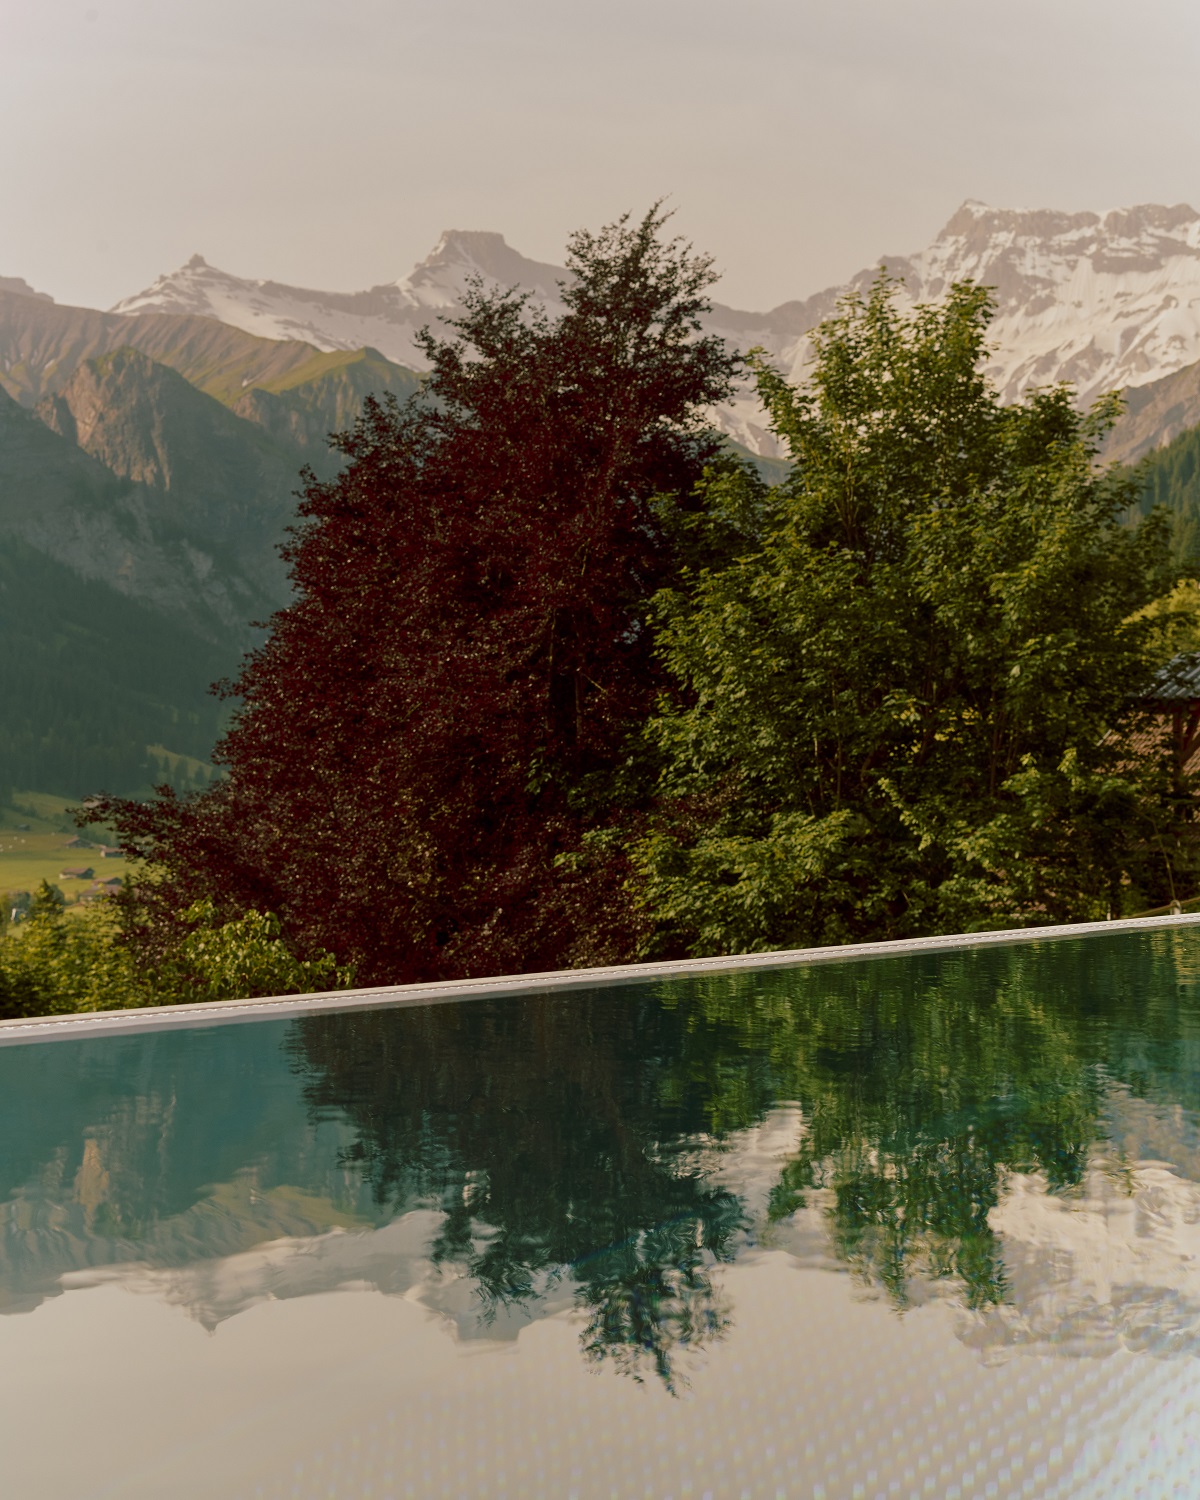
{"x":76,"y":1025}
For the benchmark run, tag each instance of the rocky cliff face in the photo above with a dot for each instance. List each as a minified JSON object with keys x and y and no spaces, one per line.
{"x":221,"y":478}
{"x":209,"y":427}
{"x":69,"y":506}
{"x":1155,"y":415}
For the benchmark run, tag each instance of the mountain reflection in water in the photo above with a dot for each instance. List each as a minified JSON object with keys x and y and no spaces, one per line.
{"x":1009,"y":1129}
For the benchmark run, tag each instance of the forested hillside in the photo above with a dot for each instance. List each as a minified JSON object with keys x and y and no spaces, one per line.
{"x":90,"y":679}
{"x":1170,"y":477}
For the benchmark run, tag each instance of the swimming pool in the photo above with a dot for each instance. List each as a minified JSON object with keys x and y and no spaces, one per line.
{"x":921,"y":1223}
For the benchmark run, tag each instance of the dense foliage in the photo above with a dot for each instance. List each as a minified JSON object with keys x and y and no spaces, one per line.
{"x":56,"y":961}
{"x":90,"y":679}
{"x":564,"y":682}
{"x":905,"y":709}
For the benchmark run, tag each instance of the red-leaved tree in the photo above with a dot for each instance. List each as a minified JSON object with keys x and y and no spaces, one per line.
{"x":443,"y":714}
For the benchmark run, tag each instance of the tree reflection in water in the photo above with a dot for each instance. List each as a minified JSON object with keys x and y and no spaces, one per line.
{"x":557,"y":1137}
{"x":574,"y":1135}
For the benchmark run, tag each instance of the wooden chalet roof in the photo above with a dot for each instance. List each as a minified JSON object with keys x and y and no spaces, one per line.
{"x":1173,"y":698}
{"x":1176,"y":683}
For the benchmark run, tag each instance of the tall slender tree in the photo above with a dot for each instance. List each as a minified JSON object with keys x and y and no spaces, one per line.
{"x":440,"y":717}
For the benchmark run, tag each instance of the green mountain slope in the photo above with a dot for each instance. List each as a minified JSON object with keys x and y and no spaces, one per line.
{"x":117,"y":607}
{"x":71,"y":507}
{"x":1170,"y":476}
{"x":90,"y":679}
{"x":141,"y":508}
{"x":302,"y":408}
{"x":42,"y":345}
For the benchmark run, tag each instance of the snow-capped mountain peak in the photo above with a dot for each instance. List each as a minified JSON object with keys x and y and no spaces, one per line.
{"x":461,"y":254}
{"x":1103,"y":300}
{"x":385,"y":317}
{"x":488,"y":254}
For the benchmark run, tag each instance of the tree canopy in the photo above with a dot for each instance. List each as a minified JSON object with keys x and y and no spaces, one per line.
{"x":903,"y":706}
{"x":564,"y":682}
{"x":439,"y":718}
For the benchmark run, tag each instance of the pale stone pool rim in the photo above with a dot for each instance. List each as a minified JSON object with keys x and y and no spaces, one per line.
{"x":225,"y":1012}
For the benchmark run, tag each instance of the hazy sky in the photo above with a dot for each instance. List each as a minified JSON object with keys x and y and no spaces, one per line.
{"x":329,"y":144}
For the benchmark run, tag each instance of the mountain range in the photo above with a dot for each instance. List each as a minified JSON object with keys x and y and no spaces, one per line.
{"x":148,"y":466}
{"x":1107,"y":302}
{"x":150,"y":454}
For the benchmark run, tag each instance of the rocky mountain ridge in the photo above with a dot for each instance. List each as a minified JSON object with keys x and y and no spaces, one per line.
{"x":1105,"y":301}
{"x":43,"y":343}
{"x":385,"y":317}
{"x":21,"y":288}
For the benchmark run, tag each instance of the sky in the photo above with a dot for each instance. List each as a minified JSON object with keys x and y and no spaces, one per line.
{"x":327,"y":143}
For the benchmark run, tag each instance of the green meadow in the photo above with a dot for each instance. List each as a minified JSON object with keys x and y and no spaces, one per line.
{"x":35,"y":831}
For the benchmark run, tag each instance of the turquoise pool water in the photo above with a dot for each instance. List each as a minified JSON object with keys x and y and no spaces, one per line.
{"x":891,"y":1227}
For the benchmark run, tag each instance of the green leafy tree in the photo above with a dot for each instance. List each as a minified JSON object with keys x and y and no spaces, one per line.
{"x":903,"y":697}
{"x":58,"y":961}
{"x":246,"y":955}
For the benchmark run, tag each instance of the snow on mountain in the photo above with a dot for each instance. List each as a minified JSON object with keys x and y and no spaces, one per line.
{"x":1104,"y":301}
{"x":384,"y":317}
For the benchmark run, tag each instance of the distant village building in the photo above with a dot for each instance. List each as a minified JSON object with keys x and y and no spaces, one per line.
{"x":77,"y":843}
{"x":76,"y":872}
